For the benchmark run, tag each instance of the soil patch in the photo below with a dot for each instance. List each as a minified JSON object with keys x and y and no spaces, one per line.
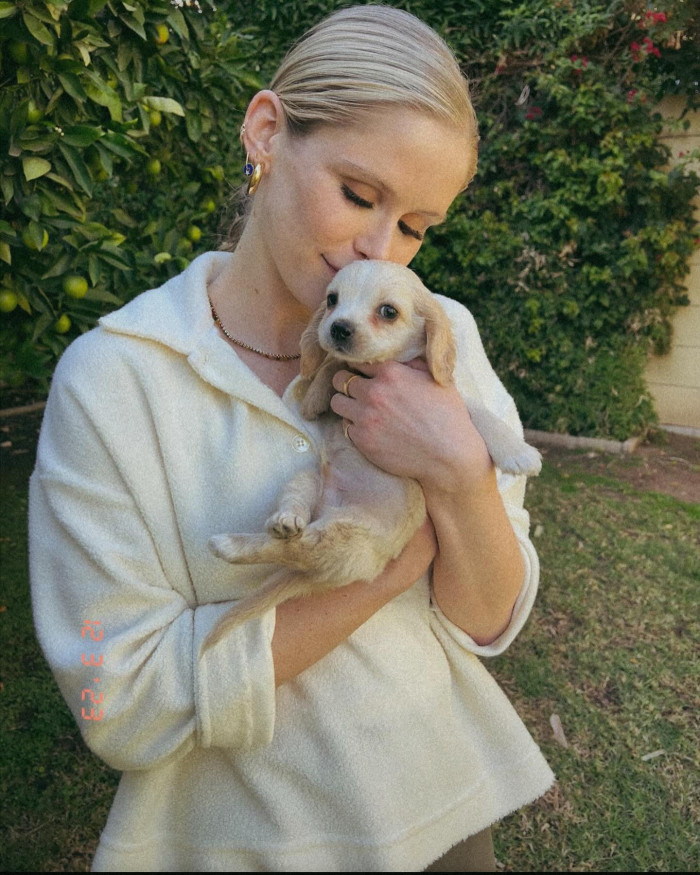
{"x":668,"y":463}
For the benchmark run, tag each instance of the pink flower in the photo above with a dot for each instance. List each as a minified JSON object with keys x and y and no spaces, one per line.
{"x":650,"y":48}
{"x":533,"y":113}
{"x":631,"y":94}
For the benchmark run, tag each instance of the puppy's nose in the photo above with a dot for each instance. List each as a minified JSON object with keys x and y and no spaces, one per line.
{"x":342,"y":331}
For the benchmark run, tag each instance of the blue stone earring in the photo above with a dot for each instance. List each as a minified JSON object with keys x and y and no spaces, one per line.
{"x":255,"y":173}
{"x":255,"y":178}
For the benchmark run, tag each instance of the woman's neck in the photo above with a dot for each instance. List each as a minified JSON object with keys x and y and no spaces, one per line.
{"x":255,"y":307}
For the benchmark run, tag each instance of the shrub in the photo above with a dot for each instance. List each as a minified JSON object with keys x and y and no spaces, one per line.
{"x":118,"y":125}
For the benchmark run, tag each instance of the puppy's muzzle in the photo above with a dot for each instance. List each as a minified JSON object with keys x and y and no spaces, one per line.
{"x":342,"y":332}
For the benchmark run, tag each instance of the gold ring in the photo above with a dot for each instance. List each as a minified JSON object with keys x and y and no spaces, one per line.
{"x":346,"y":426}
{"x":347,"y":383}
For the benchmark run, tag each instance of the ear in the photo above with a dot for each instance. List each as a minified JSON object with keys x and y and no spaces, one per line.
{"x":440,"y":349}
{"x":264,"y":119}
{"x":312,"y":355}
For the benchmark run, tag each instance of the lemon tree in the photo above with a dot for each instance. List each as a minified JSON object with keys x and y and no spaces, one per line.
{"x":113,"y":147}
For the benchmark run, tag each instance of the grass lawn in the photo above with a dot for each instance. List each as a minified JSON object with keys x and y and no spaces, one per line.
{"x":611,"y":649}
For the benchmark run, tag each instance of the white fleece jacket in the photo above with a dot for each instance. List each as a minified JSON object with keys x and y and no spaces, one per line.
{"x":380,"y":757}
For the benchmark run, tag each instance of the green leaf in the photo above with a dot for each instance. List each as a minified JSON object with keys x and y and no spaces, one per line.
{"x":7,"y":10}
{"x":193,"y":123}
{"x":81,"y":135}
{"x":121,"y":145}
{"x":104,"y":296}
{"x":101,"y":93}
{"x":78,"y":166}
{"x":59,"y":267}
{"x":164,"y":104}
{"x":5,"y":253}
{"x":134,"y":24}
{"x":35,"y":167}
{"x":8,"y":189}
{"x":72,"y":86}
{"x":31,"y":207}
{"x":61,"y":180}
{"x":179,"y":24}
{"x":38,"y":30}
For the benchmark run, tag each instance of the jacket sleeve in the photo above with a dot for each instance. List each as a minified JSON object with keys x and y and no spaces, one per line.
{"x":113,"y":605}
{"x":475,"y":377}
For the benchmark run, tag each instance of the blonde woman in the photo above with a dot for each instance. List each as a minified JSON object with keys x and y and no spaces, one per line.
{"x":354,"y":730}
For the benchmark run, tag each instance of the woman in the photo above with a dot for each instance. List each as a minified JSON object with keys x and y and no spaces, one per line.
{"x":357,"y":729}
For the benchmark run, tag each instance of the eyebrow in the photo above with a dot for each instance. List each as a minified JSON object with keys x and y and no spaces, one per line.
{"x":367,"y":176}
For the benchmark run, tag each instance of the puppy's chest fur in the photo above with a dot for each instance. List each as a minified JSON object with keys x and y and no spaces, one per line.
{"x":395,"y":505}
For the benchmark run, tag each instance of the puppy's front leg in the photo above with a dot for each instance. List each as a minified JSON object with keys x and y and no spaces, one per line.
{"x":508,"y":450}
{"x":317,"y":399}
{"x":296,"y":505}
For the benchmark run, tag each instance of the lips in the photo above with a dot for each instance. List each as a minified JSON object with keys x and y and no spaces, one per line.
{"x":333,"y":269}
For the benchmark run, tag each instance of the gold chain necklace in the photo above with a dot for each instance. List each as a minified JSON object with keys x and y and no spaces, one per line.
{"x":268,"y":355}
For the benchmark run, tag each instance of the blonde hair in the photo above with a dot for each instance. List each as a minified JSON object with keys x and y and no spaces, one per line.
{"x":362,"y":58}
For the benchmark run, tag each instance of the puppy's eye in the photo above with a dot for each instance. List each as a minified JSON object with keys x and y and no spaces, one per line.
{"x":387,"y":312}
{"x":332,"y":300}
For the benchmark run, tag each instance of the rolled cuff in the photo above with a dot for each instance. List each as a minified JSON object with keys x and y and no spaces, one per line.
{"x":235,"y":681}
{"x":521,"y":611}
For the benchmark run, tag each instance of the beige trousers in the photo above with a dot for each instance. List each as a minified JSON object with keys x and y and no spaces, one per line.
{"x":474,"y":854}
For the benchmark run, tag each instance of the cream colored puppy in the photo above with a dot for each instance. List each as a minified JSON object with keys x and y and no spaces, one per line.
{"x":346,"y":521}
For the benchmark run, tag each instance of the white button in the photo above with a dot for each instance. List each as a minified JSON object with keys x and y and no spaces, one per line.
{"x":300,"y":444}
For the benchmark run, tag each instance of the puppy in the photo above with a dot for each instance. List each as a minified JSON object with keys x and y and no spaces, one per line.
{"x":346,"y":521}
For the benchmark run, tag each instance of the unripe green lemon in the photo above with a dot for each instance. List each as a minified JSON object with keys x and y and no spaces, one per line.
{"x":194,"y":233}
{"x":62,"y":324}
{"x":75,"y":286}
{"x":8,"y":300}
{"x":153,"y":167}
{"x":155,"y":118}
{"x":209,"y":205}
{"x":29,"y":242}
{"x":34,"y":114}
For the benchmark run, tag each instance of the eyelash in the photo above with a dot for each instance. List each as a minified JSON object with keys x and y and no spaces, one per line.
{"x":368,"y":205}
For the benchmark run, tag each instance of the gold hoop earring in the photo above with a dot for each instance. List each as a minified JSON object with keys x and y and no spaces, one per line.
{"x":255,"y":178}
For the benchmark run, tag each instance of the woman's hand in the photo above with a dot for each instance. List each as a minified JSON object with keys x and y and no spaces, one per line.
{"x":408,"y":425}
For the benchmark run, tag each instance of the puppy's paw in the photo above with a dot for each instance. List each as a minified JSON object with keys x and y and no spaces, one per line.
{"x":225,"y":547}
{"x":286,"y":524}
{"x":526,"y":460}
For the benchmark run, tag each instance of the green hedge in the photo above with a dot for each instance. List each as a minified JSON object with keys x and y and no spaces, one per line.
{"x":570,"y":247}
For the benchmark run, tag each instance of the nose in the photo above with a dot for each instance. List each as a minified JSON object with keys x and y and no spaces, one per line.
{"x":376,"y":242}
{"x":342,"y":332}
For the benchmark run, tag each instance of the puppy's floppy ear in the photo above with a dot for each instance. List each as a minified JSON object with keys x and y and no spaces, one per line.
{"x":440,"y":349}
{"x":312,"y":355}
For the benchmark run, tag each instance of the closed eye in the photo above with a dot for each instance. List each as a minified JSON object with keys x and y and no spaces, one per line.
{"x":355,"y":198}
{"x":410,"y":232}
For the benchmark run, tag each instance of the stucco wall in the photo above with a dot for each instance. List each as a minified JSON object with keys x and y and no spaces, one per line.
{"x":674,"y":379}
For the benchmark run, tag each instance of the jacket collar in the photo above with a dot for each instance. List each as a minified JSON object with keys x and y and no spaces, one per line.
{"x":178,"y":315}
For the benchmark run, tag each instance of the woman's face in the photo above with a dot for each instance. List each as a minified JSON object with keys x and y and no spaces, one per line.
{"x":371,"y":190}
